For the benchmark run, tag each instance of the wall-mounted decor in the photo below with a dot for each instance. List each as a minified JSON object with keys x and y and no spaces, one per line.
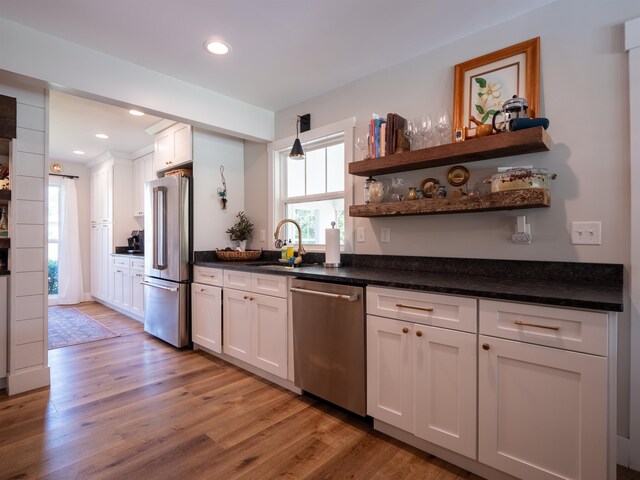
{"x":481,"y":85}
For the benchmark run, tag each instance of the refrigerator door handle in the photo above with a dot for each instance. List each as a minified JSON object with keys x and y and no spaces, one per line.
{"x":169,"y":289}
{"x":159,"y":228}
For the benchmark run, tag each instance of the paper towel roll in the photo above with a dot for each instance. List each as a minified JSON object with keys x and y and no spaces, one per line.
{"x":332,"y":252}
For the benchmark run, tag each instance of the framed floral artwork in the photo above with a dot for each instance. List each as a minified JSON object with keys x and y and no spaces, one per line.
{"x":481,"y":85}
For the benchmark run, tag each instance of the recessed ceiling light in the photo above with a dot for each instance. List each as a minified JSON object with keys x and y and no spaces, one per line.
{"x":137,"y":113}
{"x":78,"y":152}
{"x":217,"y":47}
{"x":102,"y":135}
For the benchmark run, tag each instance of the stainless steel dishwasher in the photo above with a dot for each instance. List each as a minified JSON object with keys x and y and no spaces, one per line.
{"x":329,"y":342}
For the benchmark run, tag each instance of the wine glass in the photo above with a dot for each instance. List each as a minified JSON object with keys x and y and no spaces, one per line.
{"x":412,"y":135}
{"x":444,"y":127}
{"x":361,"y":143}
{"x":426,"y":131}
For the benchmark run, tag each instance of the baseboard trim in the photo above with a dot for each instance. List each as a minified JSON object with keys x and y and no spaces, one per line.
{"x":27,"y":380}
{"x":132,"y":316}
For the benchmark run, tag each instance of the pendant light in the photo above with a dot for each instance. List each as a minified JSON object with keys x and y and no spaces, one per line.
{"x":303,"y":124}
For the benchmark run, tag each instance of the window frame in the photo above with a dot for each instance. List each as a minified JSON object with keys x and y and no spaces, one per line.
{"x":57,"y":184}
{"x":276,"y":177}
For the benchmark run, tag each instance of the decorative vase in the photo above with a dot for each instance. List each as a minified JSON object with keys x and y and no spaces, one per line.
{"x":242,"y":244}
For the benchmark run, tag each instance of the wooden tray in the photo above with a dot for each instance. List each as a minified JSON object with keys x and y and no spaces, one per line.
{"x":237,"y":255}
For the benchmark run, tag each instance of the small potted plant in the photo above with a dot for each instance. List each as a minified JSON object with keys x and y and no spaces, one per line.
{"x":241,"y":231}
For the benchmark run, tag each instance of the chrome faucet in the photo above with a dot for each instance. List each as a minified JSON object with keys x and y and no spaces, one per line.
{"x":277,"y":234}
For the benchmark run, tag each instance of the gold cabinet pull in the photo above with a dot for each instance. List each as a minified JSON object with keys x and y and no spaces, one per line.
{"x":485,"y":346}
{"x":547,"y":327}
{"x":246,"y":297}
{"x":202,"y":290}
{"x":405,"y":330}
{"x":418,"y":333}
{"x":424,"y":309}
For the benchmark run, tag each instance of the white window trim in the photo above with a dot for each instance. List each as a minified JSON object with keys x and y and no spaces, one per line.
{"x":347,"y":126}
{"x":57,"y":181}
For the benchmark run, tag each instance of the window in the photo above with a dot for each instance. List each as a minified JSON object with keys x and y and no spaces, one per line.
{"x":54,"y":237}
{"x":314,"y":191}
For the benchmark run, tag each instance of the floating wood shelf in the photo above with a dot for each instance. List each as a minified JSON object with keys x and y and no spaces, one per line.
{"x":5,"y":242}
{"x":507,"y":200}
{"x":5,"y":197}
{"x":505,"y":144}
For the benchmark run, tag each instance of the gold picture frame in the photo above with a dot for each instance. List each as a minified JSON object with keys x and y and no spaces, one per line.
{"x":482,"y":84}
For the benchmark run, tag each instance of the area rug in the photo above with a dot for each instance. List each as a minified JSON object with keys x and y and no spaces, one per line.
{"x":69,"y":326}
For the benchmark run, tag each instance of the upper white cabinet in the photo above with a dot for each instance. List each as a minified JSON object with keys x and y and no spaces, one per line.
{"x":173,"y":147}
{"x":102,"y":195}
{"x":142,"y":172}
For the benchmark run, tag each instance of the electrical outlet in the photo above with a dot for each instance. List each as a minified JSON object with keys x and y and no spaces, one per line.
{"x":586,"y":233}
{"x":360,"y":234}
{"x":521,"y":238}
{"x":385,"y":235}
{"x":263,"y":236}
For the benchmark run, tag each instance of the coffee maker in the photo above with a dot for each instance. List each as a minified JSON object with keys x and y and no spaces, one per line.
{"x":136,"y":242}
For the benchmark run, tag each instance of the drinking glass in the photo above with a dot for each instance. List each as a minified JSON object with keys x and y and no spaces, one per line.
{"x":426,"y":131}
{"x":444,"y":127}
{"x":361,"y":143}
{"x":412,"y":134}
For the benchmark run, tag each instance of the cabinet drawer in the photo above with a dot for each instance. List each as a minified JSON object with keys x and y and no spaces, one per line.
{"x":273,"y":285}
{"x":208,"y":276}
{"x":578,"y":330}
{"x":237,"y":280}
{"x":448,"y":311}
{"x":137,"y":264}
{"x":120,"y":262}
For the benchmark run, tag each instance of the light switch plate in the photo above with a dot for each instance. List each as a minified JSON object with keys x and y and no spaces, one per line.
{"x":385,"y":235}
{"x":263,"y":236}
{"x":360,"y":234}
{"x":586,"y":233}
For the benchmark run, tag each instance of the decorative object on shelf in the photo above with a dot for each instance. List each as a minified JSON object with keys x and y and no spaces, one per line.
{"x":429,"y":187}
{"x":398,"y":188}
{"x":442,"y":191}
{"x":5,"y":182}
{"x":378,"y":192}
{"x":521,"y":179}
{"x":362,"y":140}
{"x":241,"y":231}
{"x":482,"y":84}
{"x":4,"y":223}
{"x":222,"y":191}
{"x":511,"y":109}
{"x":413,"y":195}
{"x":238,"y":255}
{"x":522,"y":123}
{"x":55,"y":167}
{"x":367,"y":190}
{"x":303,"y":124}
{"x":482,"y":129}
{"x":457,"y":176}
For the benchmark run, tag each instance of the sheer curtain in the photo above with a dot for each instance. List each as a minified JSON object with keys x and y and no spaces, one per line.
{"x":70,"y":283}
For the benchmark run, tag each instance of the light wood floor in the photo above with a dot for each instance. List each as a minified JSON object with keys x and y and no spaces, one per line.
{"x":133,"y":407}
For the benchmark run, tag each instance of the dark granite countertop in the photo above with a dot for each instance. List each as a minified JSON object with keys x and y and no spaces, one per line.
{"x":548,"y":283}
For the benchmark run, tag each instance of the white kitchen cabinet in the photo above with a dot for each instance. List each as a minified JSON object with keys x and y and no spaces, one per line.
{"x":121,"y":285}
{"x":254,"y":323}
{"x":126,"y":294}
{"x":544,"y":412}
{"x":206,"y":316}
{"x":101,"y":246}
{"x":102,"y":195}
{"x":136,"y":275}
{"x":173,"y":147}
{"x":422,"y":379}
{"x":142,"y":172}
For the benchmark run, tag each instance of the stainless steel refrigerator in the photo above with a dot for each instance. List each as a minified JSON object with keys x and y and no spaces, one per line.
{"x":167,"y":224}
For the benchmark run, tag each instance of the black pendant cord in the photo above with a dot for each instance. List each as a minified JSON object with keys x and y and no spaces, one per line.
{"x":65,"y":176}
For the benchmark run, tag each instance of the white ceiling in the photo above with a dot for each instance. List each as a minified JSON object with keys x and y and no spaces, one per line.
{"x":282,"y":51}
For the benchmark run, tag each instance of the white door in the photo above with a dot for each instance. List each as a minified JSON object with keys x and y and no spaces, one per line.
{"x":237,"y":324}
{"x":105,"y":259}
{"x":206,"y":316}
{"x":137,"y":292}
{"x":390,"y":370}
{"x":542,"y":411}
{"x":269,"y":334}
{"x":445,"y":388}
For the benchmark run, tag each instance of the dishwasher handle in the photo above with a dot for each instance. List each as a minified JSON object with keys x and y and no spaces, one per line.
{"x":338,"y":296}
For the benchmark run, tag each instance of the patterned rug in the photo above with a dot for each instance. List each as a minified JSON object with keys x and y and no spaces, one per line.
{"x":68,"y":326}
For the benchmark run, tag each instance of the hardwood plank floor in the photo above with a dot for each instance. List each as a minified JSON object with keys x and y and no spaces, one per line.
{"x":134,"y":407}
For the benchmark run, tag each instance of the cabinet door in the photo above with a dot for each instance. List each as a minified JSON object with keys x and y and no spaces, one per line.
{"x":206,"y":316}
{"x":163,"y":155}
{"x":237,"y":324}
{"x":121,"y":285}
{"x":96,"y":260}
{"x":269,"y":334}
{"x":542,"y":411}
{"x":445,"y":388}
{"x":137,"y":293}
{"x":104,"y":259}
{"x":390,"y":370}
{"x":138,"y":187}
{"x":182,"y":144}
{"x":96,"y":198}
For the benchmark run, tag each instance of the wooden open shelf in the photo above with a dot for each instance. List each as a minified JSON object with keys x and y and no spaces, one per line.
{"x":5,"y":242}
{"x":499,"y":145}
{"x":507,"y":200}
{"x":5,"y":197}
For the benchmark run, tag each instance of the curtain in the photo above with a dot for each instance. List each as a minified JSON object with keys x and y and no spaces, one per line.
{"x":70,"y":283}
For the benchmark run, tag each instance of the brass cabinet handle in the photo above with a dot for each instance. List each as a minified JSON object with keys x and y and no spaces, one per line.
{"x":485,"y":346}
{"x":548,"y":327}
{"x":424,"y":309}
{"x":203,"y":290}
{"x":405,"y":330}
{"x":246,"y":297}
{"x":251,"y":298}
{"x":418,"y":333}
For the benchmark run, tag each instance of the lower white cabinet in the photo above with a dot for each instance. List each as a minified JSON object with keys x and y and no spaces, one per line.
{"x":206,"y":316}
{"x":544,"y":411}
{"x":422,"y":379}
{"x":125,"y":288}
{"x":136,"y":274}
{"x":254,"y":323}
{"x":120,"y":284}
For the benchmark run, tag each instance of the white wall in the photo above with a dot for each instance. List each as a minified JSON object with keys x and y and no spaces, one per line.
{"x":27,"y":343}
{"x":584,"y":93}
{"x":210,"y":152}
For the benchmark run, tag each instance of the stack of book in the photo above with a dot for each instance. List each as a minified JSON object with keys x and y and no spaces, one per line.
{"x":386,"y":136}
